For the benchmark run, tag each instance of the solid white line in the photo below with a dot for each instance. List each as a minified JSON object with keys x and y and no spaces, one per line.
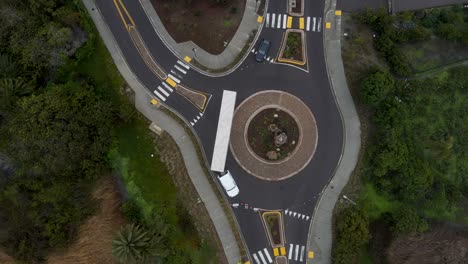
{"x":268,"y":255}
{"x":302,"y":253}
{"x":313,"y":26}
{"x":268,"y":20}
{"x":163,"y":91}
{"x":279,"y":22}
{"x":256,"y":259}
{"x":159,"y":95}
{"x":262,"y":257}
{"x":291,"y":246}
{"x":296,"y":252}
{"x":167,"y":87}
{"x":273,"y":20}
{"x":183,"y":64}
{"x":180,"y":69}
{"x":308,"y":23}
{"x":284,"y":21}
{"x":173,"y":78}
{"x":319,"y":24}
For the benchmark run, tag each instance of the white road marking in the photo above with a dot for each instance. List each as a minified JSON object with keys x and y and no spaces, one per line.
{"x":174,"y":78}
{"x":307,"y":218}
{"x":198,"y":117}
{"x":159,"y":95}
{"x":273,"y":16}
{"x":294,"y":215}
{"x":291,"y":246}
{"x":262,"y":257}
{"x":167,"y":87}
{"x":183,"y":64}
{"x":303,"y":216}
{"x":268,"y":255}
{"x":268,"y":20}
{"x":180,"y":69}
{"x":253,"y":50}
{"x":279,"y":22}
{"x":308,"y":23}
{"x":284,"y":21}
{"x":192,"y":123}
{"x":163,"y":91}
{"x":286,"y":212}
{"x":319,"y":24}
{"x":302,"y":253}
{"x":313,"y":26}
{"x":296,"y":252}
{"x":194,"y":120}
{"x":256,"y":259}
{"x":175,"y":73}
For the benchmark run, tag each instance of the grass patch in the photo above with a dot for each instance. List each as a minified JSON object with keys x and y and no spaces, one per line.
{"x":376,"y":203}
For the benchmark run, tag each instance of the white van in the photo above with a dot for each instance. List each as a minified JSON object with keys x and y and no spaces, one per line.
{"x":228,"y":183}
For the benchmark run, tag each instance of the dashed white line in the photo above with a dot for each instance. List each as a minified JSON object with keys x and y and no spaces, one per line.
{"x":183,"y":64}
{"x":167,"y":87}
{"x":308,"y":23}
{"x":163,"y":91}
{"x":174,"y":78}
{"x":180,"y":69}
{"x":159,"y":96}
{"x":268,"y":255}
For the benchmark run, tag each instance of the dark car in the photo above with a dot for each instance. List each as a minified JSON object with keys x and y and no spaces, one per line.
{"x":263,"y":50}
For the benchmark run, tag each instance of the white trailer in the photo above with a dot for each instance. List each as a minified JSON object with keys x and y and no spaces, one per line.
{"x":223,"y":131}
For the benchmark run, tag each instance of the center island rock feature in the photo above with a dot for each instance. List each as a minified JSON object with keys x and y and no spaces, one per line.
{"x":274,"y":135}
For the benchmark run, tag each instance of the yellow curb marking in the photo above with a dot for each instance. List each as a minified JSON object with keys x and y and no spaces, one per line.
{"x":301,"y":23}
{"x":187,"y":59}
{"x":154,"y":101}
{"x":328,"y":25}
{"x":248,"y":262}
{"x":289,"y":23}
{"x":338,"y":12}
{"x":275,"y":252}
{"x":171,"y":82}
{"x":311,"y":254}
{"x":283,"y":251}
{"x":259,"y":19}
{"x":118,"y":5}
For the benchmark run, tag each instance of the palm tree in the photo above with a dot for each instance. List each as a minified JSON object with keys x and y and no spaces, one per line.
{"x":132,"y":245}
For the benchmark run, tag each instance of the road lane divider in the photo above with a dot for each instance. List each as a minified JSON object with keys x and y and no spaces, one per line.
{"x":198,"y":99}
{"x":119,"y":5}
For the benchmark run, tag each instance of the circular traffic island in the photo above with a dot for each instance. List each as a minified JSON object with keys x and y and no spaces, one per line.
{"x":274,"y":135}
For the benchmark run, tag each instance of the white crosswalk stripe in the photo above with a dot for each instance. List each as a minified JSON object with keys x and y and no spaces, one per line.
{"x":313,"y":26}
{"x":284,"y":21}
{"x":267,"y":254}
{"x":180,"y":69}
{"x":273,"y":16}
{"x":308,"y":23}
{"x":163,"y":91}
{"x":167,"y":87}
{"x":302,"y":254}
{"x":183,"y":64}
{"x":160,"y":96}
{"x":291,"y":246}
{"x":262,"y":257}
{"x":296,"y":255}
{"x":319,"y":24}
{"x":256,"y":258}
{"x":173,"y":78}
{"x":267,"y":20}
{"x":279,"y":21}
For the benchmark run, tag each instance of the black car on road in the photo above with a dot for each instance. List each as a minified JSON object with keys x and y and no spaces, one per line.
{"x":263,"y":50}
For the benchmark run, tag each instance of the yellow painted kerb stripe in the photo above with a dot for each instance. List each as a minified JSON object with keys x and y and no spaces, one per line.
{"x":338,"y":12}
{"x":154,"y":101}
{"x":259,"y":19}
{"x":301,"y":23}
{"x":171,"y":82}
{"x":311,"y":254}
{"x":328,"y":25}
{"x":289,"y":23}
{"x":275,"y":252}
{"x":187,"y":59}
{"x":283,"y":251}
{"x":248,"y":262}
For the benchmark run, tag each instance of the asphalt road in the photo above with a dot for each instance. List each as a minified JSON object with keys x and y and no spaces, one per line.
{"x":397,"y":5}
{"x":299,"y":193}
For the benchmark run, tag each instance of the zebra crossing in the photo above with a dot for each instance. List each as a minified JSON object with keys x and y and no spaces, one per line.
{"x":283,"y":21}
{"x":262,"y":257}
{"x":296,"y":252}
{"x":164,"y":90}
{"x":294,"y":214}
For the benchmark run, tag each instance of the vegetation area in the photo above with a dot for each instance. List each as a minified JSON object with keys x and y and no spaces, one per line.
{"x":293,"y":49}
{"x":274,"y":223}
{"x":413,"y":172}
{"x":65,"y":122}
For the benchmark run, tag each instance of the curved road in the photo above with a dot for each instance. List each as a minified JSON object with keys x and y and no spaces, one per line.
{"x":299,"y":193}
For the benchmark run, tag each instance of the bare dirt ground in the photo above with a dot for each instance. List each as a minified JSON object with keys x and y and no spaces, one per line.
{"x":170,"y":154}
{"x":6,"y":259}
{"x":443,"y":245}
{"x":94,"y":242}
{"x":205,"y":22}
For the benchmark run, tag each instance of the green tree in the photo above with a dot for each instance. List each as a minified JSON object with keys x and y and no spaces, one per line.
{"x":406,"y":220}
{"x":132,"y":245}
{"x":376,"y":86}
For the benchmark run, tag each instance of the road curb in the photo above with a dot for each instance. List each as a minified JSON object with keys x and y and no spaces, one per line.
{"x":180,"y":136}
{"x":320,"y":232}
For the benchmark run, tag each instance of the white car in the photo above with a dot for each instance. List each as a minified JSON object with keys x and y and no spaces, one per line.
{"x":228,"y":183}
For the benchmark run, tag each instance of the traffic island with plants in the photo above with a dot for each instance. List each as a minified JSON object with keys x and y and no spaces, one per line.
{"x":296,"y":7}
{"x":273,"y":222}
{"x":273,"y":134}
{"x":293,"y":49}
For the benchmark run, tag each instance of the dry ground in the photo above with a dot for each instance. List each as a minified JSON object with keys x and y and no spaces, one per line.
{"x":94,"y":242}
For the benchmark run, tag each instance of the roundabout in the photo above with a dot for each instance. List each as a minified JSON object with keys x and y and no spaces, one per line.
{"x":274,"y":135}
